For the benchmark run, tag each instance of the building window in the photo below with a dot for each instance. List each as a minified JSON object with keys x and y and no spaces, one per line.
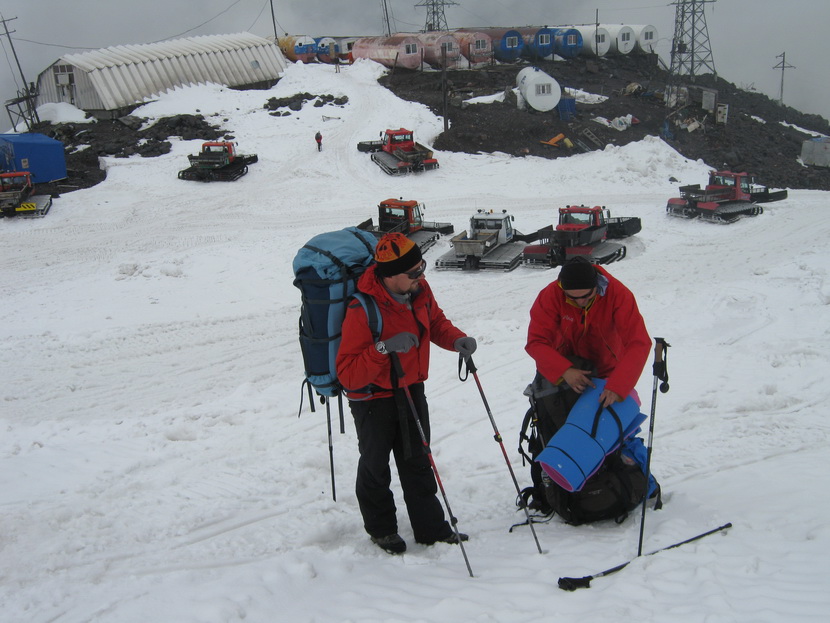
{"x":511,"y":42}
{"x":544,"y":89}
{"x":411,"y":48}
{"x":544,"y":39}
{"x":625,"y":36}
{"x":481,"y":44}
{"x":447,"y":46}
{"x":571,"y":40}
{"x":648,"y":35}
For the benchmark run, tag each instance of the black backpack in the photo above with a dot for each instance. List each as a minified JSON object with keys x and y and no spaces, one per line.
{"x":617,"y":487}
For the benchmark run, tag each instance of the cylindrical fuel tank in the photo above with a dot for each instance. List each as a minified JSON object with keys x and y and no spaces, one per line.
{"x":595,"y":41}
{"x":327,"y":49}
{"x":507,"y":43}
{"x":396,"y":51}
{"x":298,"y":48}
{"x":567,"y":42}
{"x":646,"y":37}
{"x":539,"y":90}
{"x":538,"y":42}
{"x":623,"y":38}
{"x":438,"y":47}
{"x":476,"y":45}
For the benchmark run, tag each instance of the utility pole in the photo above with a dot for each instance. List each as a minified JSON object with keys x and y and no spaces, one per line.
{"x":25,"y":102}
{"x":387,"y":27}
{"x":274,"y":22}
{"x":690,"y":49}
{"x":782,"y":66}
{"x":436,"y":20}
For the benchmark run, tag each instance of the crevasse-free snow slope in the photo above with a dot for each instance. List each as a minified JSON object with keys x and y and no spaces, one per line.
{"x":154,"y":468}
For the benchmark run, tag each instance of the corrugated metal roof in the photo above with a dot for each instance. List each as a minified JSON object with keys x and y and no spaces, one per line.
{"x":126,"y":74}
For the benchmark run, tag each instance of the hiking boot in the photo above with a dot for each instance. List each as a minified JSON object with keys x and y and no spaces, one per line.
{"x":452,"y":539}
{"x":392,"y":543}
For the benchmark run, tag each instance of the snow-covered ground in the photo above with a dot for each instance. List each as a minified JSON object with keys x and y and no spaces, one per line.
{"x":153,"y":466}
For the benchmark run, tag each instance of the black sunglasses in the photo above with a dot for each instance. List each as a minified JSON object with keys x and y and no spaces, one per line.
{"x":584,"y":296}
{"x":414,"y":274}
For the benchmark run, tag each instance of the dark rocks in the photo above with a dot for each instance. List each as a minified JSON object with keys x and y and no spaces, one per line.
{"x":754,"y":139}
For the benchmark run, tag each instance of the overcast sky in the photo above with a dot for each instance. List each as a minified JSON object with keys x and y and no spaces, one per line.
{"x":746,"y":36}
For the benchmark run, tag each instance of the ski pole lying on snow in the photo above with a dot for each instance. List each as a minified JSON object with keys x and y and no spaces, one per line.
{"x":471,"y":367}
{"x":661,"y":373}
{"x":396,"y":364}
{"x":571,"y":584}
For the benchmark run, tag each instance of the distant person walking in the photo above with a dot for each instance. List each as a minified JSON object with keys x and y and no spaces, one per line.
{"x":319,"y":138}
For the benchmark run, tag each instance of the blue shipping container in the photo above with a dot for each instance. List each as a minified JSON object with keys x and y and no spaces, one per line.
{"x":40,"y":155}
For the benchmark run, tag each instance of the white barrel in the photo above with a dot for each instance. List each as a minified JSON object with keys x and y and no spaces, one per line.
{"x":623,"y":38}
{"x":646,"y":37}
{"x":539,"y":90}
{"x":595,"y":41}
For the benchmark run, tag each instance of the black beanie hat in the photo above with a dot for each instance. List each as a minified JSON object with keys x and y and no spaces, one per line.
{"x":578,"y":274}
{"x":395,"y":254}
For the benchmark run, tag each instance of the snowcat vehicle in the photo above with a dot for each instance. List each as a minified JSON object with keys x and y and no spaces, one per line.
{"x":397,"y":152}
{"x":16,"y":198}
{"x":406,"y":217}
{"x":217,"y":162}
{"x":491,"y":243}
{"x":727,"y":197}
{"x":581,"y":230}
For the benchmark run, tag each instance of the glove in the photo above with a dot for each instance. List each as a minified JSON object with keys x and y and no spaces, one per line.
{"x":466,"y":346}
{"x":401,"y":342}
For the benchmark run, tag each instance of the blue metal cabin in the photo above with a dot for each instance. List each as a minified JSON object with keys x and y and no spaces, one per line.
{"x":538,"y":42}
{"x":40,"y":155}
{"x":327,"y":49}
{"x":567,"y":42}
{"x":508,"y":44}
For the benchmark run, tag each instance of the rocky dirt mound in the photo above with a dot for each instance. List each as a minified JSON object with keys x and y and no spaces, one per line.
{"x":754,"y":139}
{"x":758,"y":137}
{"x":84,"y":143}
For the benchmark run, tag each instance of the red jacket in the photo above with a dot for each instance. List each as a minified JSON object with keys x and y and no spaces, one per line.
{"x":358,"y":362}
{"x":611,"y":334}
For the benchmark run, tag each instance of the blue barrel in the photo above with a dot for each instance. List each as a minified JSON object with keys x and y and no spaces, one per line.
{"x":538,"y":42}
{"x":567,"y":42}
{"x":508,"y":45}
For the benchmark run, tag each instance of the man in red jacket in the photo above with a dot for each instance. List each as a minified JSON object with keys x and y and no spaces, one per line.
{"x":411,"y":320}
{"x":587,"y":313}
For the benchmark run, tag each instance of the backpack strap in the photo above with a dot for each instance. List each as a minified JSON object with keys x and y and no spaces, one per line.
{"x":373,"y":317}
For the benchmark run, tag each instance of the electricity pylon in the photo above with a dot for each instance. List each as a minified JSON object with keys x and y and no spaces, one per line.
{"x":690,"y":49}
{"x":436,"y":20}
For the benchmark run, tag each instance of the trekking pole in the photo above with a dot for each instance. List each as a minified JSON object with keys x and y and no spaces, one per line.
{"x":331,"y":449}
{"x":396,"y":363}
{"x":471,"y":367}
{"x":661,"y":373}
{"x":571,"y":584}
{"x":324,"y":401}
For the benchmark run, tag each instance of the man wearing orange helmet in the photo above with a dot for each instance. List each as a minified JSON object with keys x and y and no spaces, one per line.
{"x":411,"y":321}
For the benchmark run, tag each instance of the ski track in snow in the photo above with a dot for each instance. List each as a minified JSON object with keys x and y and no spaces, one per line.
{"x":154,"y":466}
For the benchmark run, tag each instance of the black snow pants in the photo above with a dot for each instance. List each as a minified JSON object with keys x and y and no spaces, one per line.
{"x":379,"y":430}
